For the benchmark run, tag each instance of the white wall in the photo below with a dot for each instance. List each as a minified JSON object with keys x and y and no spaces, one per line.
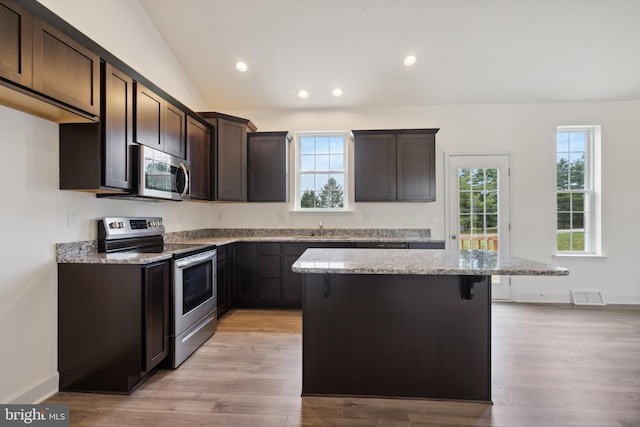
{"x":34,"y":217}
{"x":34,"y":212}
{"x":528,"y":133}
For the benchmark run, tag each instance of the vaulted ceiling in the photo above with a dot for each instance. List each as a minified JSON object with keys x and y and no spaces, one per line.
{"x":468,"y":51}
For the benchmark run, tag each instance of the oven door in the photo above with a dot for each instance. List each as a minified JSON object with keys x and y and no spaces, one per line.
{"x":194,"y":289}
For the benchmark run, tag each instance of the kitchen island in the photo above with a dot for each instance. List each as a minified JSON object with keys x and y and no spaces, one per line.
{"x":401,"y":323}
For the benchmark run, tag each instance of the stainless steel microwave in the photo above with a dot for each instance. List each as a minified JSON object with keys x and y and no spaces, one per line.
{"x":162,"y":176}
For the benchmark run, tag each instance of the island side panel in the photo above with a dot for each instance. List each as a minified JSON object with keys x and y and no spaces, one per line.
{"x":397,"y":336}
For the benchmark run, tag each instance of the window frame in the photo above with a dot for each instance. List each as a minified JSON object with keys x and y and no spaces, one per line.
{"x":591,"y":192}
{"x":346,"y":135}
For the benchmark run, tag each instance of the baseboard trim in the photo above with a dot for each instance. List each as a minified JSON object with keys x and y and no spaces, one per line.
{"x":566,"y":299}
{"x":36,"y":392}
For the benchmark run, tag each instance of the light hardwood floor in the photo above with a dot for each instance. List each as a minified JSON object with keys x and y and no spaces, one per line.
{"x":553,"y":365}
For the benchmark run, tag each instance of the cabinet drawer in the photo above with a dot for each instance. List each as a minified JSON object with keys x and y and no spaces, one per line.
{"x":294,"y":248}
{"x":269,"y":248}
{"x":426,"y":245}
{"x":222,"y":253}
{"x":299,"y":248}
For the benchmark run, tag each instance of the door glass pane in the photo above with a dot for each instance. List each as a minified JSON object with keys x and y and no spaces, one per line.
{"x":478,"y":209}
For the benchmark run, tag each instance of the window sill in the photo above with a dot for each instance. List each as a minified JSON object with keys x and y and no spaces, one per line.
{"x":576,"y":255}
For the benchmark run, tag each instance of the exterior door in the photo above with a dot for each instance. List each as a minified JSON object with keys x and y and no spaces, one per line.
{"x":479,"y":208}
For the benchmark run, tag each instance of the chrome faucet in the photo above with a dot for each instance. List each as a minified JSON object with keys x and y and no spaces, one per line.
{"x":321,"y":229}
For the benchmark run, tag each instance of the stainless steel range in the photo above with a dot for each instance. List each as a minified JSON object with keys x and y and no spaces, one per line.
{"x":193,"y":294}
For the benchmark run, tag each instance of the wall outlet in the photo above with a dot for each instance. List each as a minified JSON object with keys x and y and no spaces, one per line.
{"x":281,"y":217}
{"x":220,"y":217}
{"x":72,"y":219}
{"x":437,"y":217}
{"x":366,"y":216}
{"x":415,"y":216}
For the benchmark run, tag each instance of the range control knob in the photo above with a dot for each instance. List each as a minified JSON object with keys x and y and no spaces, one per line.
{"x":121,"y":224}
{"x":113,"y":225}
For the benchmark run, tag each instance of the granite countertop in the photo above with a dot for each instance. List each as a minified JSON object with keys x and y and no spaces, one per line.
{"x":419,"y":262}
{"x":86,"y":252}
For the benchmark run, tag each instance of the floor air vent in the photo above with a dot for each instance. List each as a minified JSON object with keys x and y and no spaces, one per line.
{"x":587,"y":298}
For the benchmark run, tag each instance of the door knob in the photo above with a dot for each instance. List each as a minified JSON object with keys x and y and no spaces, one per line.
{"x":454,"y":237}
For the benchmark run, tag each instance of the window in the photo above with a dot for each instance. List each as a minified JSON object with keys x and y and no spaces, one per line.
{"x":577,"y":149}
{"x":321,"y":170}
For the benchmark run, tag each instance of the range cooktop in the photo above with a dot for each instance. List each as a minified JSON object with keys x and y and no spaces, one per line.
{"x":141,"y":235}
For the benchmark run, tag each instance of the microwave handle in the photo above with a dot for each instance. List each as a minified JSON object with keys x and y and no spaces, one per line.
{"x":186,"y":180}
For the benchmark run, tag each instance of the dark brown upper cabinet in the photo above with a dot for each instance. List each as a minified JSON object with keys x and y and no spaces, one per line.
{"x":65,"y":70}
{"x":16,"y":33}
{"x":45,"y":72}
{"x":268,"y":166}
{"x":159,"y":124}
{"x":395,"y":165}
{"x":199,"y":153}
{"x":174,"y":130}
{"x":97,"y":156}
{"x":230,"y":155}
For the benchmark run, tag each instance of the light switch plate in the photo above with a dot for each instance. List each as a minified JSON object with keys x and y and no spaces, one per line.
{"x":72,"y":219}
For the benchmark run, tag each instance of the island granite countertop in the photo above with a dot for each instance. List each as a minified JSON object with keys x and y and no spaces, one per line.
{"x":419,"y":262}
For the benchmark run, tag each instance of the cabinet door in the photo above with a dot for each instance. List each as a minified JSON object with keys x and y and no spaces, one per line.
{"x":148,"y":120}
{"x":222,"y":280}
{"x":222,"y":269}
{"x":269,"y":273}
{"x":232,"y":161}
{"x":199,"y":154}
{"x":416,"y":167}
{"x":233,"y":274}
{"x":156,"y":314}
{"x":375,"y":167}
{"x":118,"y":124}
{"x":291,"y":282}
{"x":65,"y":70}
{"x":173,"y":131}
{"x":267,"y":168}
{"x":15,"y":43}
{"x":246,"y":285}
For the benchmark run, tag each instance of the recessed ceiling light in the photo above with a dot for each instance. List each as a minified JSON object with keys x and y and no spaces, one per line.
{"x":409,"y":60}
{"x":241,"y":66}
{"x":336,"y":92}
{"x":303,"y":94}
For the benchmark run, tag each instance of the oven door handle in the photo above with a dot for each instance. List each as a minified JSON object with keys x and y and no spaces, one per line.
{"x":195,"y":259}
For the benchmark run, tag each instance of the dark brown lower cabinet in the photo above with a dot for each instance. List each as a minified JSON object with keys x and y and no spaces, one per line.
{"x":401,"y":336}
{"x":226,"y":278}
{"x":113,"y":325}
{"x":266,"y":279}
